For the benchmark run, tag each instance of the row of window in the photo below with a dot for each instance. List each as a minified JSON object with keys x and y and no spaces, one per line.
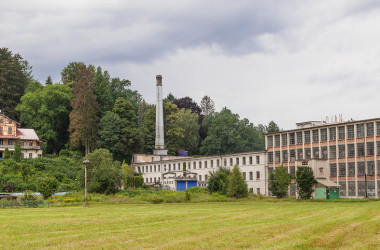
{"x":349,"y":188}
{"x":10,"y":142}
{"x":324,"y":134}
{"x":291,"y":170}
{"x":22,"y":155}
{"x":324,"y":152}
{"x":342,"y":169}
{"x":200,"y":164}
{"x":2,"y":121}
{"x":251,"y":176}
{"x":9,"y":131}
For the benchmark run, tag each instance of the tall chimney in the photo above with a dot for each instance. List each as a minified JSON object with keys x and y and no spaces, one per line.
{"x":160,"y":141}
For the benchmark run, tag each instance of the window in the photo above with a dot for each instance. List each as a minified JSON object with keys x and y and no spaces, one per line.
{"x":378,"y":128}
{"x":342,"y":151}
{"x":150,"y":169}
{"x":324,"y":134}
{"x":299,"y":137}
{"x":299,"y":154}
{"x":257,"y":175}
{"x":30,"y":155}
{"x":237,"y":161}
{"x":9,"y":122}
{"x":342,"y":169}
{"x":231,"y":163}
{"x":270,"y":141}
{"x":1,"y":142}
{"x":361,"y":188}
{"x":200,"y":164}
{"x":292,"y":154}
{"x":370,"y":168}
{"x":307,"y":153}
{"x":351,"y":188}
{"x":9,"y":130}
{"x":206,"y":177}
{"x":250,"y":176}
{"x":194,"y":165}
{"x":332,"y":152}
{"x":316,"y":153}
{"x":212,"y":163}
{"x":291,"y":138}
{"x":284,"y":138}
{"x":292,"y":170}
{"x":324,"y":152}
{"x":307,"y":136}
{"x":250,"y":160}
{"x":315,"y":136}
{"x":270,"y":157}
{"x":1,"y":120}
{"x":333,"y":170}
{"x":370,"y":148}
{"x":359,"y":130}
{"x":257,"y":159}
{"x":10,"y":142}
{"x":1,"y":130}
{"x":351,"y":169}
{"x":342,"y":189}
{"x":277,"y":157}
{"x":217,"y":163}
{"x":361,"y":168}
{"x":370,"y":131}
{"x":341,"y":133}
{"x":155,"y":169}
{"x":350,"y":131}
{"x":159,"y":168}
{"x":205,"y":164}
{"x":30,"y":143}
{"x":244,"y":163}
{"x":22,"y":143}
{"x":378,"y":149}
{"x":360,"y":149}
{"x":332,"y":134}
{"x":200,"y":177}
{"x":258,"y":191}
{"x":284,"y":156}
{"x":277,"y":140}
{"x":225,"y":162}
{"x":351,"y":150}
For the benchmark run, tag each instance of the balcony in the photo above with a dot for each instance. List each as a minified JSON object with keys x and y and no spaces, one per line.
{"x":7,"y":146}
{"x":31,"y":147}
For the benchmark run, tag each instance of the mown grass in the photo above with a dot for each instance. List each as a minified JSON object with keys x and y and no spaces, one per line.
{"x":242,"y":224}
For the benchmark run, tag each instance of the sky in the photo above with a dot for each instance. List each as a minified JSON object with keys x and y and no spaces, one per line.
{"x":287,"y":61}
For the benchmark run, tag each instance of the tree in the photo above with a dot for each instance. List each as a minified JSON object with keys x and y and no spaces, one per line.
{"x":272,"y":127}
{"x":237,"y":187}
{"x":83,"y":118}
{"x":218,"y":181}
{"x":103,"y":90}
{"x":170,"y":98}
{"x":182,"y":131}
{"x":128,"y":175}
{"x":207,"y":106}
{"x":104,"y":174}
{"x":7,"y":154}
{"x":188,"y":103}
{"x":305,"y":181}
{"x":279,"y":181}
{"x":110,"y":126}
{"x":47,"y":110}
{"x":14,"y":75}
{"x":17,"y":152}
{"x":49,"y":81}
{"x":47,"y":186}
{"x":69,"y":74}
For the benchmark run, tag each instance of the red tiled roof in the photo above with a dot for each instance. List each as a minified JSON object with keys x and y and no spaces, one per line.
{"x":27,"y":134}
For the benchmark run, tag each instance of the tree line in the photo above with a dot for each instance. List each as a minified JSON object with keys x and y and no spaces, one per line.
{"x":90,"y":109}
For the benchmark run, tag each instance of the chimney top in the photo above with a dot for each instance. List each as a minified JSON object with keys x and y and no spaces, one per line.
{"x":159,"y":80}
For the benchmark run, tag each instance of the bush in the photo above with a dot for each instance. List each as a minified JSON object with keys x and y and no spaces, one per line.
{"x":279,"y":181}
{"x":47,"y":186}
{"x":237,"y":187}
{"x":218,"y":181}
{"x":187,"y":196}
{"x":305,"y":181}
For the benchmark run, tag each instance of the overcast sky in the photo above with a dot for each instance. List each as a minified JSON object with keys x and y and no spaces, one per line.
{"x":287,"y":61}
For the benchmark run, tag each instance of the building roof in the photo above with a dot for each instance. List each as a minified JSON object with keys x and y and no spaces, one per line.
{"x":1,"y":114}
{"x":327,"y":183}
{"x":27,"y":134}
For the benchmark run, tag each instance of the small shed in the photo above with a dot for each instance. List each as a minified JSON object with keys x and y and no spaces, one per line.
{"x":326,"y":189}
{"x":184,"y":183}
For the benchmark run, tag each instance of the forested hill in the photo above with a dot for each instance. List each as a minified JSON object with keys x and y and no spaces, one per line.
{"x":90,"y":109}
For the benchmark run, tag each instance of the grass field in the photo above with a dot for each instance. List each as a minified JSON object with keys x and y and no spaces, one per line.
{"x":246,"y":224}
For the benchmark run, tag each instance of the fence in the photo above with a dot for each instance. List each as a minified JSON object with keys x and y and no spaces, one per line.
{"x":8,"y":203}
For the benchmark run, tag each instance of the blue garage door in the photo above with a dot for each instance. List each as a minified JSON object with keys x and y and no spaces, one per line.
{"x":181,"y":185}
{"x":191,"y":184}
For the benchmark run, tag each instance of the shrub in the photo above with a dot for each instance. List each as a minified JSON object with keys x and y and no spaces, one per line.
{"x":218,"y":181}
{"x":279,"y":181}
{"x":187,"y":195}
{"x":237,"y":187}
{"x":47,"y":186}
{"x":305,"y":181}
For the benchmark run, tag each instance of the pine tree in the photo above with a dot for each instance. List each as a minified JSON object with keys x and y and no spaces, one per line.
{"x":7,"y":154}
{"x":17,"y":152}
{"x":49,"y":81}
{"x":84,"y":116}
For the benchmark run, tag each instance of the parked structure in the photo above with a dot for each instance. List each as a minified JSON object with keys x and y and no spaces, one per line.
{"x":10,"y":133}
{"x":350,"y":150}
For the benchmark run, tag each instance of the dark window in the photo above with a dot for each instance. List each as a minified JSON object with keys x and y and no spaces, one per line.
{"x":205,"y":165}
{"x":284,"y":156}
{"x":370,"y":148}
{"x":292,"y":170}
{"x":361,"y":188}
{"x":370,"y":131}
{"x":237,"y":161}
{"x":378,"y":128}
{"x":324,"y":152}
{"x":244,"y":163}
{"x":9,"y":130}
{"x":30,"y":143}
{"x":341,"y":133}
{"x":332,"y":152}
{"x":270,"y":157}
{"x":351,"y":150}
{"x":1,"y":130}
{"x":342,"y":169}
{"x":277,"y":157}
{"x":270,"y":141}
{"x":258,"y":175}
{"x":342,"y":151}
{"x":10,"y":142}
{"x":351,"y":188}
{"x":361,"y":168}
{"x":316,"y":153}
{"x":250,"y":160}
{"x":212,"y":163}
{"x":324,"y":134}
{"x":342,"y":189}
{"x":351,"y":169}
{"x":217,"y":163}
{"x":315,"y":136}
{"x":231,"y":163}
{"x":291,"y":139}
{"x":359,"y":130}
{"x":307,"y":136}
{"x":360,"y":149}
{"x":370,"y":168}
{"x":299,"y":137}
{"x":332,"y":170}
{"x":251,"y":176}
{"x":284,"y":138}
{"x":22,"y":143}
{"x":332,"y":134}
{"x":307,"y":153}
{"x":378,"y":149}
{"x":299,"y":154}
{"x":257,"y":159}
{"x":277,"y":140}
{"x":350,"y":131}
{"x":292,"y":154}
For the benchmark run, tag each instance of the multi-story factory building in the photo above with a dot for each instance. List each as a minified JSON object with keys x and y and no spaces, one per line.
{"x":350,"y":150}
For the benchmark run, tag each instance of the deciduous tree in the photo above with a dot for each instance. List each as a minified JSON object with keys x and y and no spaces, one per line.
{"x":304,"y":182}
{"x":237,"y":187}
{"x":279,"y":181}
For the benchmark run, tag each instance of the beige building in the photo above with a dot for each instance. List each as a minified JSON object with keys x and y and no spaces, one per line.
{"x":350,"y":150}
{"x":10,"y":133}
{"x":156,"y":169}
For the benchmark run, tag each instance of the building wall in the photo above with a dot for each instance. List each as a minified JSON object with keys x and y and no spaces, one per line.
{"x":252,"y":164}
{"x":352,"y":152}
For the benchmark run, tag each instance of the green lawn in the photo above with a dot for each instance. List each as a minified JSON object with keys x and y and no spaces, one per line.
{"x":247,"y":224}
